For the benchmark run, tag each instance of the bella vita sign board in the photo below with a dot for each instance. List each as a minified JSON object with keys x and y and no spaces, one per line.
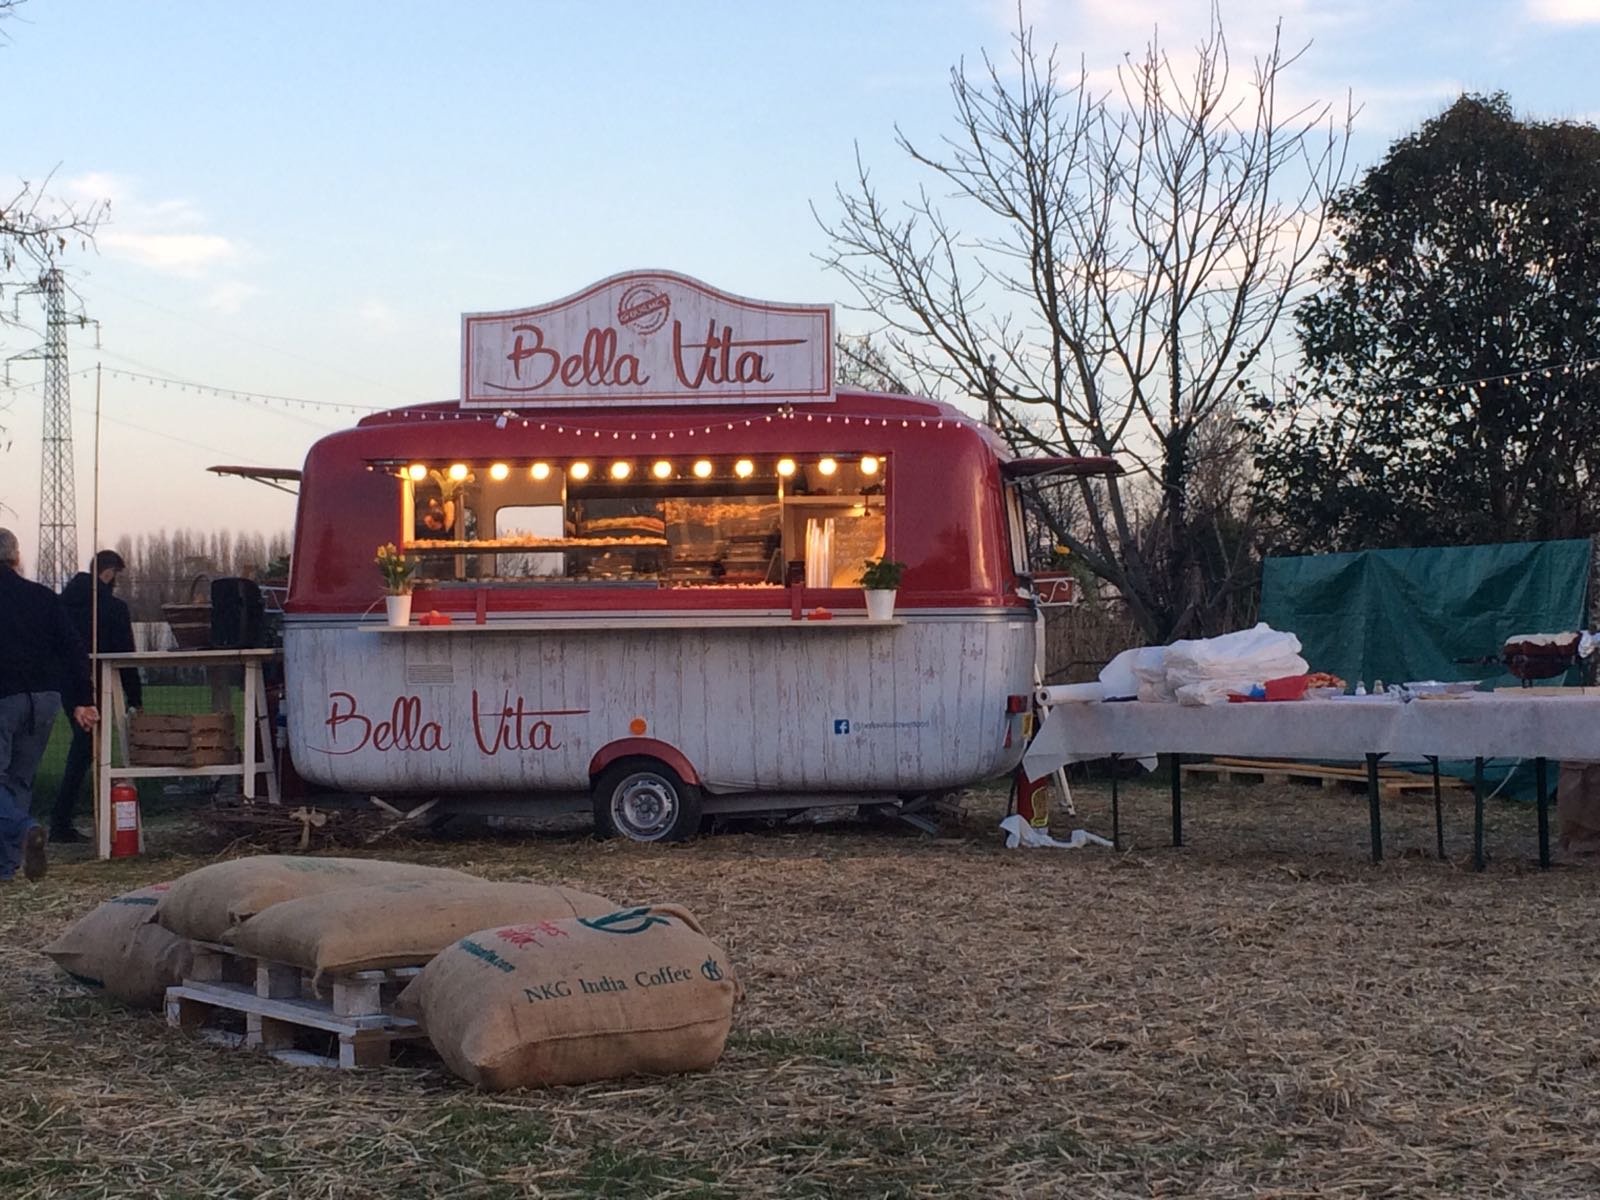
{"x":648,"y":338}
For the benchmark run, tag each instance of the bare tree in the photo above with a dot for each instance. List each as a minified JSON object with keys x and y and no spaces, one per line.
{"x":1129,"y":251}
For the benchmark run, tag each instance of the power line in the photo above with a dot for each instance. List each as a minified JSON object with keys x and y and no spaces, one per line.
{"x":277,"y":351}
{"x":211,"y":389}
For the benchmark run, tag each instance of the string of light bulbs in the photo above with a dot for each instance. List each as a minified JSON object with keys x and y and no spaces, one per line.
{"x":226,"y":393}
{"x":507,"y":418}
{"x":39,"y":383}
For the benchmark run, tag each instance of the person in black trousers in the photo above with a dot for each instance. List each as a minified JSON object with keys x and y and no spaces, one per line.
{"x":115,"y":636}
{"x":42,"y":667}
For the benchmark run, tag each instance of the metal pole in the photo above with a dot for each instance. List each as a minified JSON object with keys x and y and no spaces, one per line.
{"x":1177,"y":800}
{"x":1374,"y":812}
{"x":1541,"y":780}
{"x":1116,"y":814}
{"x":1438,"y":809}
{"x":99,"y":731}
{"x":1477,"y":813}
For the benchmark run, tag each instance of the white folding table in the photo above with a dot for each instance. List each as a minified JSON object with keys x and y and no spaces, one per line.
{"x":1476,"y":726}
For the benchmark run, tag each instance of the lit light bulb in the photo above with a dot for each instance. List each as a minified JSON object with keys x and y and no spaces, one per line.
{"x":499,"y":471}
{"x":458,"y":471}
{"x":869,"y":464}
{"x":417,"y":471}
{"x":786,"y":467}
{"x":662,"y":470}
{"x":539,"y":471}
{"x":827,"y":466}
{"x":621,"y":470}
{"x":702,"y":469}
{"x":744,"y":468}
{"x":579,"y":470}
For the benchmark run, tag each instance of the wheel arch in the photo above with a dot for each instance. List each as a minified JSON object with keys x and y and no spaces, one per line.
{"x":640,"y":747}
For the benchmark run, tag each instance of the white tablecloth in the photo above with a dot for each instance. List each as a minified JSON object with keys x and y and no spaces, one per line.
{"x":1487,"y":725}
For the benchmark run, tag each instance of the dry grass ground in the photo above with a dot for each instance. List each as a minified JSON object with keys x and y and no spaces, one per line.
{"x":1263,"y":1013}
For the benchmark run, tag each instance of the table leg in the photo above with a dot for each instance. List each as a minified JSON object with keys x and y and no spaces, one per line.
{"x":1541,"y":780}
{"x":1177,"y":800}
{"x":1374,"y":812}
{"x":1477,"y":813}
{"x":112,"y":724}
{"x":247,"y":735}
{"x":1438,"y":809}
{"x":1116,"y":808}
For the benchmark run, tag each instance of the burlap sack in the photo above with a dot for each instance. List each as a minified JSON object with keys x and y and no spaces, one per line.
{"x":1578,"y":808}
{"x":207,"y":904}
{"x":637,"y":992}
{"x":400,"y":924}
{"x":117,"y":948}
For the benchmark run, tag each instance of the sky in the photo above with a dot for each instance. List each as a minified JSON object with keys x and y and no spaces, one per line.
{"x":305,"y":196}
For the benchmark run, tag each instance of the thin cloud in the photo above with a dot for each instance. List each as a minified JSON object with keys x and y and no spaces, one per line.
{"x":376,"y":313}
{"x":188,"y":254}
{"x":229,"y":298}
{"x":172,"y":236}
{"x":1564,"y":12}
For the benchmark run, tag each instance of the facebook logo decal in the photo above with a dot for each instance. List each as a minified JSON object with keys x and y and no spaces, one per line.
{"x":841,"y":725}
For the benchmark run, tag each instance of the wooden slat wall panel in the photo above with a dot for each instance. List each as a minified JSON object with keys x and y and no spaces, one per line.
{"x":752,"y":709}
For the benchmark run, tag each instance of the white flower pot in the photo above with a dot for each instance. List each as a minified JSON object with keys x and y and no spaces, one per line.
{"x":399,"y":609}
{"x":880,"y":603}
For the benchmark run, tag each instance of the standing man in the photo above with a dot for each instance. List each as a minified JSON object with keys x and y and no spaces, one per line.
{"x":111,"y":632}
{"x":41,"y":662}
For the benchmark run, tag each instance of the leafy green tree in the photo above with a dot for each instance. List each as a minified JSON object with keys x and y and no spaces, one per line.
{"x":1444,"y":398}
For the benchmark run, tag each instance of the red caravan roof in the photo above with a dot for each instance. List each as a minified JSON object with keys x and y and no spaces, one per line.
{"x":946,"y":516}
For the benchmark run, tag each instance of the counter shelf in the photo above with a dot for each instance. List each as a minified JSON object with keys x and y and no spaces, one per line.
{"x":620,"y":624}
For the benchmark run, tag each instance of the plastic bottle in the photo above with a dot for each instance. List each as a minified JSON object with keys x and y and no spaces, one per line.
{"x":1361,"y":688}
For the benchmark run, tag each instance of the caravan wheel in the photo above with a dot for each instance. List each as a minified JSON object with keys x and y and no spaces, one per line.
{"x":645,"y":801}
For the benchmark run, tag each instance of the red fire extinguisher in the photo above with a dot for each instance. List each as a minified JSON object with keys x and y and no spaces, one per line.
{"x":124,"y":819}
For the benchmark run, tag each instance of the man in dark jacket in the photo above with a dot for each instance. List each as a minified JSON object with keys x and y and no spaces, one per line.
{"x":42,"y":664}
{"x":113,"y":634}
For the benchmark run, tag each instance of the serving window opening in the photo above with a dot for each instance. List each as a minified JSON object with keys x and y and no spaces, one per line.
{"x":714,"y":521}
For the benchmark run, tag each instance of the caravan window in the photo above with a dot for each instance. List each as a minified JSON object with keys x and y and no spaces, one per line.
{"x":704,"y":522}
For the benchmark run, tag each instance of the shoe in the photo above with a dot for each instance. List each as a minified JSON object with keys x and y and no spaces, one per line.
{"x":68,"y":836}
{"x":34,"y":863}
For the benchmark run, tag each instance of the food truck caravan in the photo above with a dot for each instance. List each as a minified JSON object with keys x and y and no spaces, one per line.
{"x":638,"y":539}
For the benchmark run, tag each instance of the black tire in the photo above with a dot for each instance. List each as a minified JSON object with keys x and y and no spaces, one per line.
{"x":645,"y":801}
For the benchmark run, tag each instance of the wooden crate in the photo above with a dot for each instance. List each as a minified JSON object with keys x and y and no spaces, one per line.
{"x":283,"y":1006}
{"x":186,"y":740}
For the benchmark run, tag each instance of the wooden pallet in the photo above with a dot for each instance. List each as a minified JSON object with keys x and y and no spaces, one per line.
{"x":1391,"y":782}
{"x":281,"y":1007}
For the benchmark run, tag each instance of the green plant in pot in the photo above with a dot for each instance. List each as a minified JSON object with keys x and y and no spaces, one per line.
{"x":880,"y":580}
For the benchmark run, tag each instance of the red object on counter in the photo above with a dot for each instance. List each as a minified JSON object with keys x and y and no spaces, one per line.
{"x":1289,"y":687}
{"x":819,"y":614}
{"x":435,"y":617}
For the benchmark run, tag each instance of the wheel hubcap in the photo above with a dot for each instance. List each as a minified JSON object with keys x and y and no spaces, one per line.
{"x":644,"y":807}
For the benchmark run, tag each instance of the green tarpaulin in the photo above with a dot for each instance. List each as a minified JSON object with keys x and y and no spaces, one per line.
{"x":1403,"y":615}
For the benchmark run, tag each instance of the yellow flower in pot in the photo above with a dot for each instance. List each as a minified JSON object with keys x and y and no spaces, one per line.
{"x":397,"y":571}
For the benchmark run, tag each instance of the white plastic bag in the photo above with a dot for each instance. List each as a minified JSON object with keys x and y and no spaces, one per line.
{"x":1120,"y":677}
{"x":1150,"y":669}
{"x":1255,"y":654}
{"x":1212,"y":691}
{"x":1020,"y":833}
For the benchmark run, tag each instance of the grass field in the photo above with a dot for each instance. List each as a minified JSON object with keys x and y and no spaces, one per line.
{"x":1263,"y":1013}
